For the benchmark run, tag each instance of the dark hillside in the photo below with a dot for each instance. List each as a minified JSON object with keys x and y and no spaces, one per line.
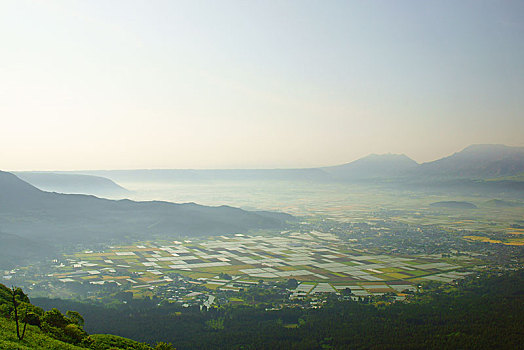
{"x":53,"y":218}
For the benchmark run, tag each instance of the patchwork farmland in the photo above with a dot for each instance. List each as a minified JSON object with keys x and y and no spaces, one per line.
{"x":319,"y":261}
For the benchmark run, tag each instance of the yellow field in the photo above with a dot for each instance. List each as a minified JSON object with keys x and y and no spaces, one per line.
{"x":212,"y":286}
{"x":515,"y":231}
{"x":512,"y":241}
{"x":482,"y":239}
{"x":390,"y":270}
{"x":515,"y":242}
{"x":380,"y":290}
{"x":398,"y":275}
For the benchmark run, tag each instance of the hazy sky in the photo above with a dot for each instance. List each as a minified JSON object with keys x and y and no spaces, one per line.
{"x":254,"y":84}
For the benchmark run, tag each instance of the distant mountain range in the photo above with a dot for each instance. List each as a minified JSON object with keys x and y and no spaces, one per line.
{"x":487,"y":169}
{"x":52,"y":219}
{"x":474,"y":162}
{"x":477,"y":168}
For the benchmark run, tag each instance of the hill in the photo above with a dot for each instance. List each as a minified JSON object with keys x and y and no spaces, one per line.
{"x":57,"y":219}
{"x":476,"y":162}
{"x":73,"y":183}
{"x":372,"y":166}
{"x":454,"y":204}
{"x":503,"y":204}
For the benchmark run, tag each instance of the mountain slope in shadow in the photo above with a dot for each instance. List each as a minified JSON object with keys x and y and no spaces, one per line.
{"x":65,"y":218}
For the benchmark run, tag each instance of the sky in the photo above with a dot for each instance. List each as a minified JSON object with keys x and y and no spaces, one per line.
{"x":254,"y":84}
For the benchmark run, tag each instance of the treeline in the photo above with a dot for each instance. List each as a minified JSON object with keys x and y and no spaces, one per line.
{"x":478,"y":313}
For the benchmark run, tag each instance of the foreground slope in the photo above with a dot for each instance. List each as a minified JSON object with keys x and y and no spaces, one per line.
{"x":34,"y":338}
{"x":52,"y":329}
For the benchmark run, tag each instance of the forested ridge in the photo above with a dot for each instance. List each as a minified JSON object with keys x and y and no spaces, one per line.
{"x":483,"y":312}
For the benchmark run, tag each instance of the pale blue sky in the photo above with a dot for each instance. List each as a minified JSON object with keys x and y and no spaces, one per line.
{"x":255,"y":84}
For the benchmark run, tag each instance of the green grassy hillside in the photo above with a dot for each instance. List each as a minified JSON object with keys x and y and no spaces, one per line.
{"x":53,"y":330}
{"x":34,"y":338}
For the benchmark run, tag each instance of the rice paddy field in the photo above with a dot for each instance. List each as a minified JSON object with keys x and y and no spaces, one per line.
{"x":319,"y":260}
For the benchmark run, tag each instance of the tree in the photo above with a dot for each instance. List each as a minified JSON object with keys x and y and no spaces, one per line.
{"x":15,"y":292}
{"x":75,"y":333}
{"x":346,"y":291}
{"x":292,"y":283}
{"x":55,"y":318}
{"x":225,"y":276}
{"x":164,"y":346}
{"x":76,"y":318}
